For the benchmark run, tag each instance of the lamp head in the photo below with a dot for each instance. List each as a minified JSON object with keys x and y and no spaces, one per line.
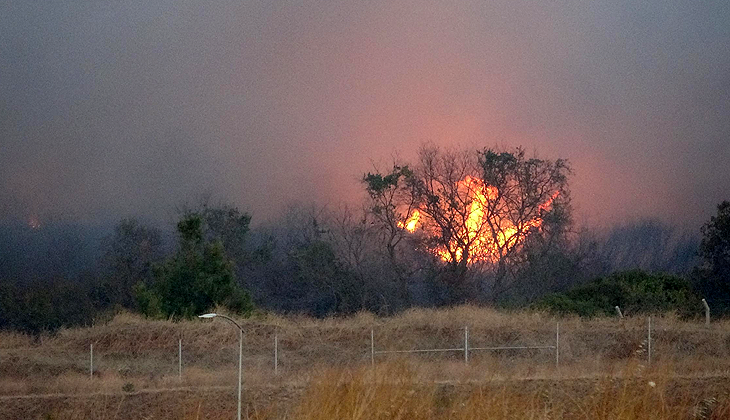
{"x":211,"y":315}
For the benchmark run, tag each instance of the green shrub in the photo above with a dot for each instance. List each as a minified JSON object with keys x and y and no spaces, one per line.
{"x":633,"y":291}
{"x":198,"y":277}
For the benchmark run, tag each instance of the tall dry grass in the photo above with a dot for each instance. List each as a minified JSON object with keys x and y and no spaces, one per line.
{"x":392,"y":392}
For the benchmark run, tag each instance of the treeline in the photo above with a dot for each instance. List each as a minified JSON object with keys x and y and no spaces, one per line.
{"x":322,"y":262}
{"x":491,"y":228}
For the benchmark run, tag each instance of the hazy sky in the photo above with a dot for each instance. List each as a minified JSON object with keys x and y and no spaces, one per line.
{"x":124,"y":107}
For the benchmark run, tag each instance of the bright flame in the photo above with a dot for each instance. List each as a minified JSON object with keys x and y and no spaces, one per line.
{"x":411,"y":223}
{"x":484,"y":235}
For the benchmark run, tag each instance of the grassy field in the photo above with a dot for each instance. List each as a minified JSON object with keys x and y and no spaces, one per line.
{"x":324,"y":369}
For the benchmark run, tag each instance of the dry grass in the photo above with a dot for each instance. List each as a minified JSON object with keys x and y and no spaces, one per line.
{"x":395,"y":395}
{"x":603,"y":362}
{"x":394,"y":391}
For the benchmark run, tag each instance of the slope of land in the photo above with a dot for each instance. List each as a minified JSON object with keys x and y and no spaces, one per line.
{"x":136,"y":361}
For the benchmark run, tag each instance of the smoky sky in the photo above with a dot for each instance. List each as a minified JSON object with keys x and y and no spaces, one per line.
{"x":126,"y":107}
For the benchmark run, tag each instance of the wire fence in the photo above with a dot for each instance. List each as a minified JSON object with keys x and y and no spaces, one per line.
{"x":466,"y":349}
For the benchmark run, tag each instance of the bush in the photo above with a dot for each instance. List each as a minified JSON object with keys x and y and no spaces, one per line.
{"x":633,"y":291}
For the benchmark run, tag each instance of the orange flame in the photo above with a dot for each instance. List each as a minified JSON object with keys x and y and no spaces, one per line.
{"x":411,"y":222}
{"x":484,"y":235}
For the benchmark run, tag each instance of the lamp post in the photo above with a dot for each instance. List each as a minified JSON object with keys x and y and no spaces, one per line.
{"x":240,"y":353}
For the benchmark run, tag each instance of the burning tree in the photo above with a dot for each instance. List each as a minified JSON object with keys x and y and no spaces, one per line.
{"x":472,"y":209}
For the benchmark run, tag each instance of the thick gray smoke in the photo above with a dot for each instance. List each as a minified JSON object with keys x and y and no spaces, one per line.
{"x":129,"y":107}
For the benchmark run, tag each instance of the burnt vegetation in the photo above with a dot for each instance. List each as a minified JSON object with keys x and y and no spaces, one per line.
{"x":486,"y":227}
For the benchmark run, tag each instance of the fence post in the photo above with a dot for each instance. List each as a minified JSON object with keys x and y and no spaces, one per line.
{"x":707,"y":312}
{"x":466,"y":345}
{"x":91,"y":361}
{"x":179,"y":359}
{"x":557,"y":344}
{"x":649,"y":341}
{"x":276,"y":354}
{"x":372,"y":347}
{"x":618,"y":312}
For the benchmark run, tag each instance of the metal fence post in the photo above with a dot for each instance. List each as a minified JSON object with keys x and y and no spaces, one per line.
{"x":707,"y":312}
{"x":372,"y":347}
{"x":649,"y":341}
{"x":276,"y":354}
{"x":466,"y":345}
{"x":179,"y":359}
{"x":557,"y":344}
{"x":91,"y":361}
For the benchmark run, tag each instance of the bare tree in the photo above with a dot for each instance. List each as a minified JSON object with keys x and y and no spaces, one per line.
{"x":129,"y":257}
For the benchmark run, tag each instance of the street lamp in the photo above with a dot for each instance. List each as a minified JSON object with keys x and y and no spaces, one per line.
{"x":240,"y":353}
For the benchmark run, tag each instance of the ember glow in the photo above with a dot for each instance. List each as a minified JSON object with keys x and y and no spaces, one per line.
{"x":485,"y":231}
{"x":34,"y":223}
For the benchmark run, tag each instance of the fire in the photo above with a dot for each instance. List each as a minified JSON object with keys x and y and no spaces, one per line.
{"x":484,"y":234}
{"x":411,"y":223}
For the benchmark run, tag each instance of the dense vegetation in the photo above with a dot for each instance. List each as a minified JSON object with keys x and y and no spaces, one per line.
{"x":632,"y":291}
{"x":415,"y":243}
